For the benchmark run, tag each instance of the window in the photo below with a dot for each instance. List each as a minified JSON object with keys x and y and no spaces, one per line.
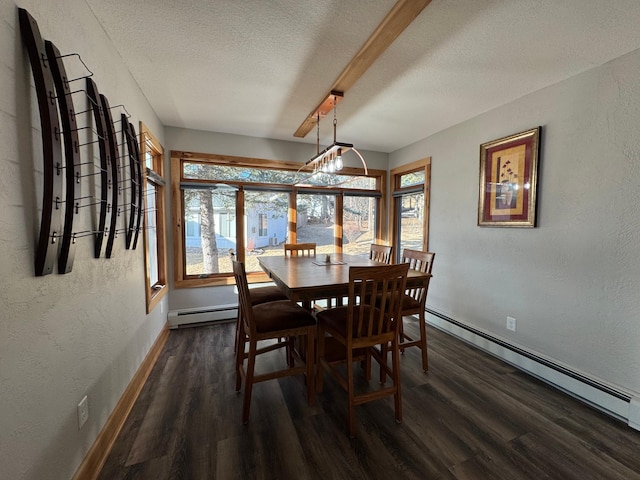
{"x":358,"y":224}
{"x":210,"y":235}
{"x":154,"y":214}
{"x":262,"y":222}
{"x":410,"y":208}
{"x":316,"y":220}
{"x":235,"y":207}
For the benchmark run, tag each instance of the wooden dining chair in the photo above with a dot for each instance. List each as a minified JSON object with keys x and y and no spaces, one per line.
{"x":352,"y":332}
{"x":413,"y":302}
{"x":300,"y":249}
{"x":380,"y":253}
{"x":271,"y":321}
{"x":270,"y":293}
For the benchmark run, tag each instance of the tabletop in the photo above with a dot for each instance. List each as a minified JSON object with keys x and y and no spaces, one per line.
{"x":310,"y":278}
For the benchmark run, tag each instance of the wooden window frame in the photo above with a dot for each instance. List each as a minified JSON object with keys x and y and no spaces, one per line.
{"x":396,"y":189}
{"x":178,"y":221}
{"x":148,"y":142}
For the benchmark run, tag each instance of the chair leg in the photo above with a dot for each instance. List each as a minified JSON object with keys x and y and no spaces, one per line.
{"x":401,"y":334}
{"x":238,"y":328}
{"x":423,"y":341}
{"x":384,"y":353}
{"x":248,"y":382}
{"x":289,"y":351}
{"x":395,"y":361}
{"x":366,"y":366}
{"x":351,"y":421}
{"x":319,"y":355}
{"x":310,"y":368}
{"x":240,"y":347}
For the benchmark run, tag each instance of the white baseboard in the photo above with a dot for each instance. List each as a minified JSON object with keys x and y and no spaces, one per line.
{"x":607,"y":398}
{"x":634,"y":413}
{"x":193,"y":316}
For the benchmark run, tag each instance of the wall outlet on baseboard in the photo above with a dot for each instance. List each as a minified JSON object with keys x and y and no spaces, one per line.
{"x":83,"y":412}
{"x":511,"y":324}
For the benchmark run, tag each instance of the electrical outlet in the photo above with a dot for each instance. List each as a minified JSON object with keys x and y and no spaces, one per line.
{"x":511,"y":324}
{"x":83,"y":412}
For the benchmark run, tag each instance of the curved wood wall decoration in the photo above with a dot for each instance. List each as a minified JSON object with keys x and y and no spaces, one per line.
{"x":51,"y":147}
{"x":72,"y":156}
{"x":133,"y":180}
{"x":105,"y":164}
{"x":139,"y":166}
{"x":114,"y":180}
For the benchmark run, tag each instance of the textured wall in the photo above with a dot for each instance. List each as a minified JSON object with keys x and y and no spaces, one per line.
{"x":571,"y":283}
{"x":61,"y":336}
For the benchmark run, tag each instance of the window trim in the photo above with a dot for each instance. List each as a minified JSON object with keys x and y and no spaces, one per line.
{"x":178,"y":182}
{"x":154,"y":293}
{"x":397,"y":192}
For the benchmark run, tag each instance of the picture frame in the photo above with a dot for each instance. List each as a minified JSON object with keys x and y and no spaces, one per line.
{"x":508,"y":180}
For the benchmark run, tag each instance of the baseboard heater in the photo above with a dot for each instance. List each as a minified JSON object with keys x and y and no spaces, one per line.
{"x":196,"y":316}
{"x":612,"y":401}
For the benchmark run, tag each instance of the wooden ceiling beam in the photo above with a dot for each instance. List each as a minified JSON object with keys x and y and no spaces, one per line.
{"x":393,"y":24}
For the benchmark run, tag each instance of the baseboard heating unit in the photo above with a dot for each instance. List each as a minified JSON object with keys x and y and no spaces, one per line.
{"x":607,"y":398}
{"x":194,"y":316}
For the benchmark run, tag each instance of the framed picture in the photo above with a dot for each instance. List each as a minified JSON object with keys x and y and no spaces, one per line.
{"x":508,"y":180}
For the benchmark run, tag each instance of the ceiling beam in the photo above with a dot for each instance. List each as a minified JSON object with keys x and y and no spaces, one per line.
{"x":393,"y":24}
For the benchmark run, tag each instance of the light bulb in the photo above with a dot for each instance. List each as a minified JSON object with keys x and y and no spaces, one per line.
{"x":339,"y":163}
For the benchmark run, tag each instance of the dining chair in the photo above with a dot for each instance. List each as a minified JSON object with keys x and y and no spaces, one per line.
{"x":350,"y":333}
{"x":271,"y":321}
{"x":300,"y":249}
{"x":413,"y":302}
{"x":270,"y":293}
{"x":380,"y":253}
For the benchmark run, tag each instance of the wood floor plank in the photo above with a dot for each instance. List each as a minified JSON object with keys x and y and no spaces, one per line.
{"x":470,"y":417}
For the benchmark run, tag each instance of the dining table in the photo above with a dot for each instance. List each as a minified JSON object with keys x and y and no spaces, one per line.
{"x":308,"y":278}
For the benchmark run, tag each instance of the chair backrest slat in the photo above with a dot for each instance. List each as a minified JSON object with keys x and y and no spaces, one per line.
{"x":386,"y":282}
{"x":380,"y":253}
{"x":244,"y":297}
{"x":300,"y":249}
{"x":420,"y":262}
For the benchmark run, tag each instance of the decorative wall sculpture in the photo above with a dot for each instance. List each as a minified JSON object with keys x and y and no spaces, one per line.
{"x":51,"y":151}
{"x":116,"y":177}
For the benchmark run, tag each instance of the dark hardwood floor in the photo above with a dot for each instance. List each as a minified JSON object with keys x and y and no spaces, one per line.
{"x":471,"y":417}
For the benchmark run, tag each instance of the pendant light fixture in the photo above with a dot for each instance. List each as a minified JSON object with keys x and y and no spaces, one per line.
{"x":330,"y":159}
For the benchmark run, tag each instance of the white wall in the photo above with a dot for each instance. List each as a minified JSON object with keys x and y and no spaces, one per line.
{"x":225,"y":144}
{"x":61,"y":336}
{"x":572,"y":283}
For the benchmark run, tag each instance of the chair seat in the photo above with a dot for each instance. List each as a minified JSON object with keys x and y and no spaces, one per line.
{"x":266,"y":294}
{"x":281,"y":315}
{"x":337,"y":318}
{"x":409,"y":304}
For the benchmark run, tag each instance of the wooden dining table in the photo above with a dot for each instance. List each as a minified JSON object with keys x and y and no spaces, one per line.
{"x":305,"y":279}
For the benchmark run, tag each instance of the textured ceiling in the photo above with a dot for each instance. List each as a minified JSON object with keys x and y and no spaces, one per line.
{"x":257,"y":67}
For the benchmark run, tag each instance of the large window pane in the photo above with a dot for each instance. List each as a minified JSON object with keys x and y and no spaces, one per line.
{"x":315,"y":221}
{"x":222,"y":173}
{"x":411,"y":226}
{"x":210,"y":233}
{"x":411,"y":179}
{"x":358,"y":225}
{"x":151,"y":232}
{"x":266,"y":225}
{"x":348,"y":182}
